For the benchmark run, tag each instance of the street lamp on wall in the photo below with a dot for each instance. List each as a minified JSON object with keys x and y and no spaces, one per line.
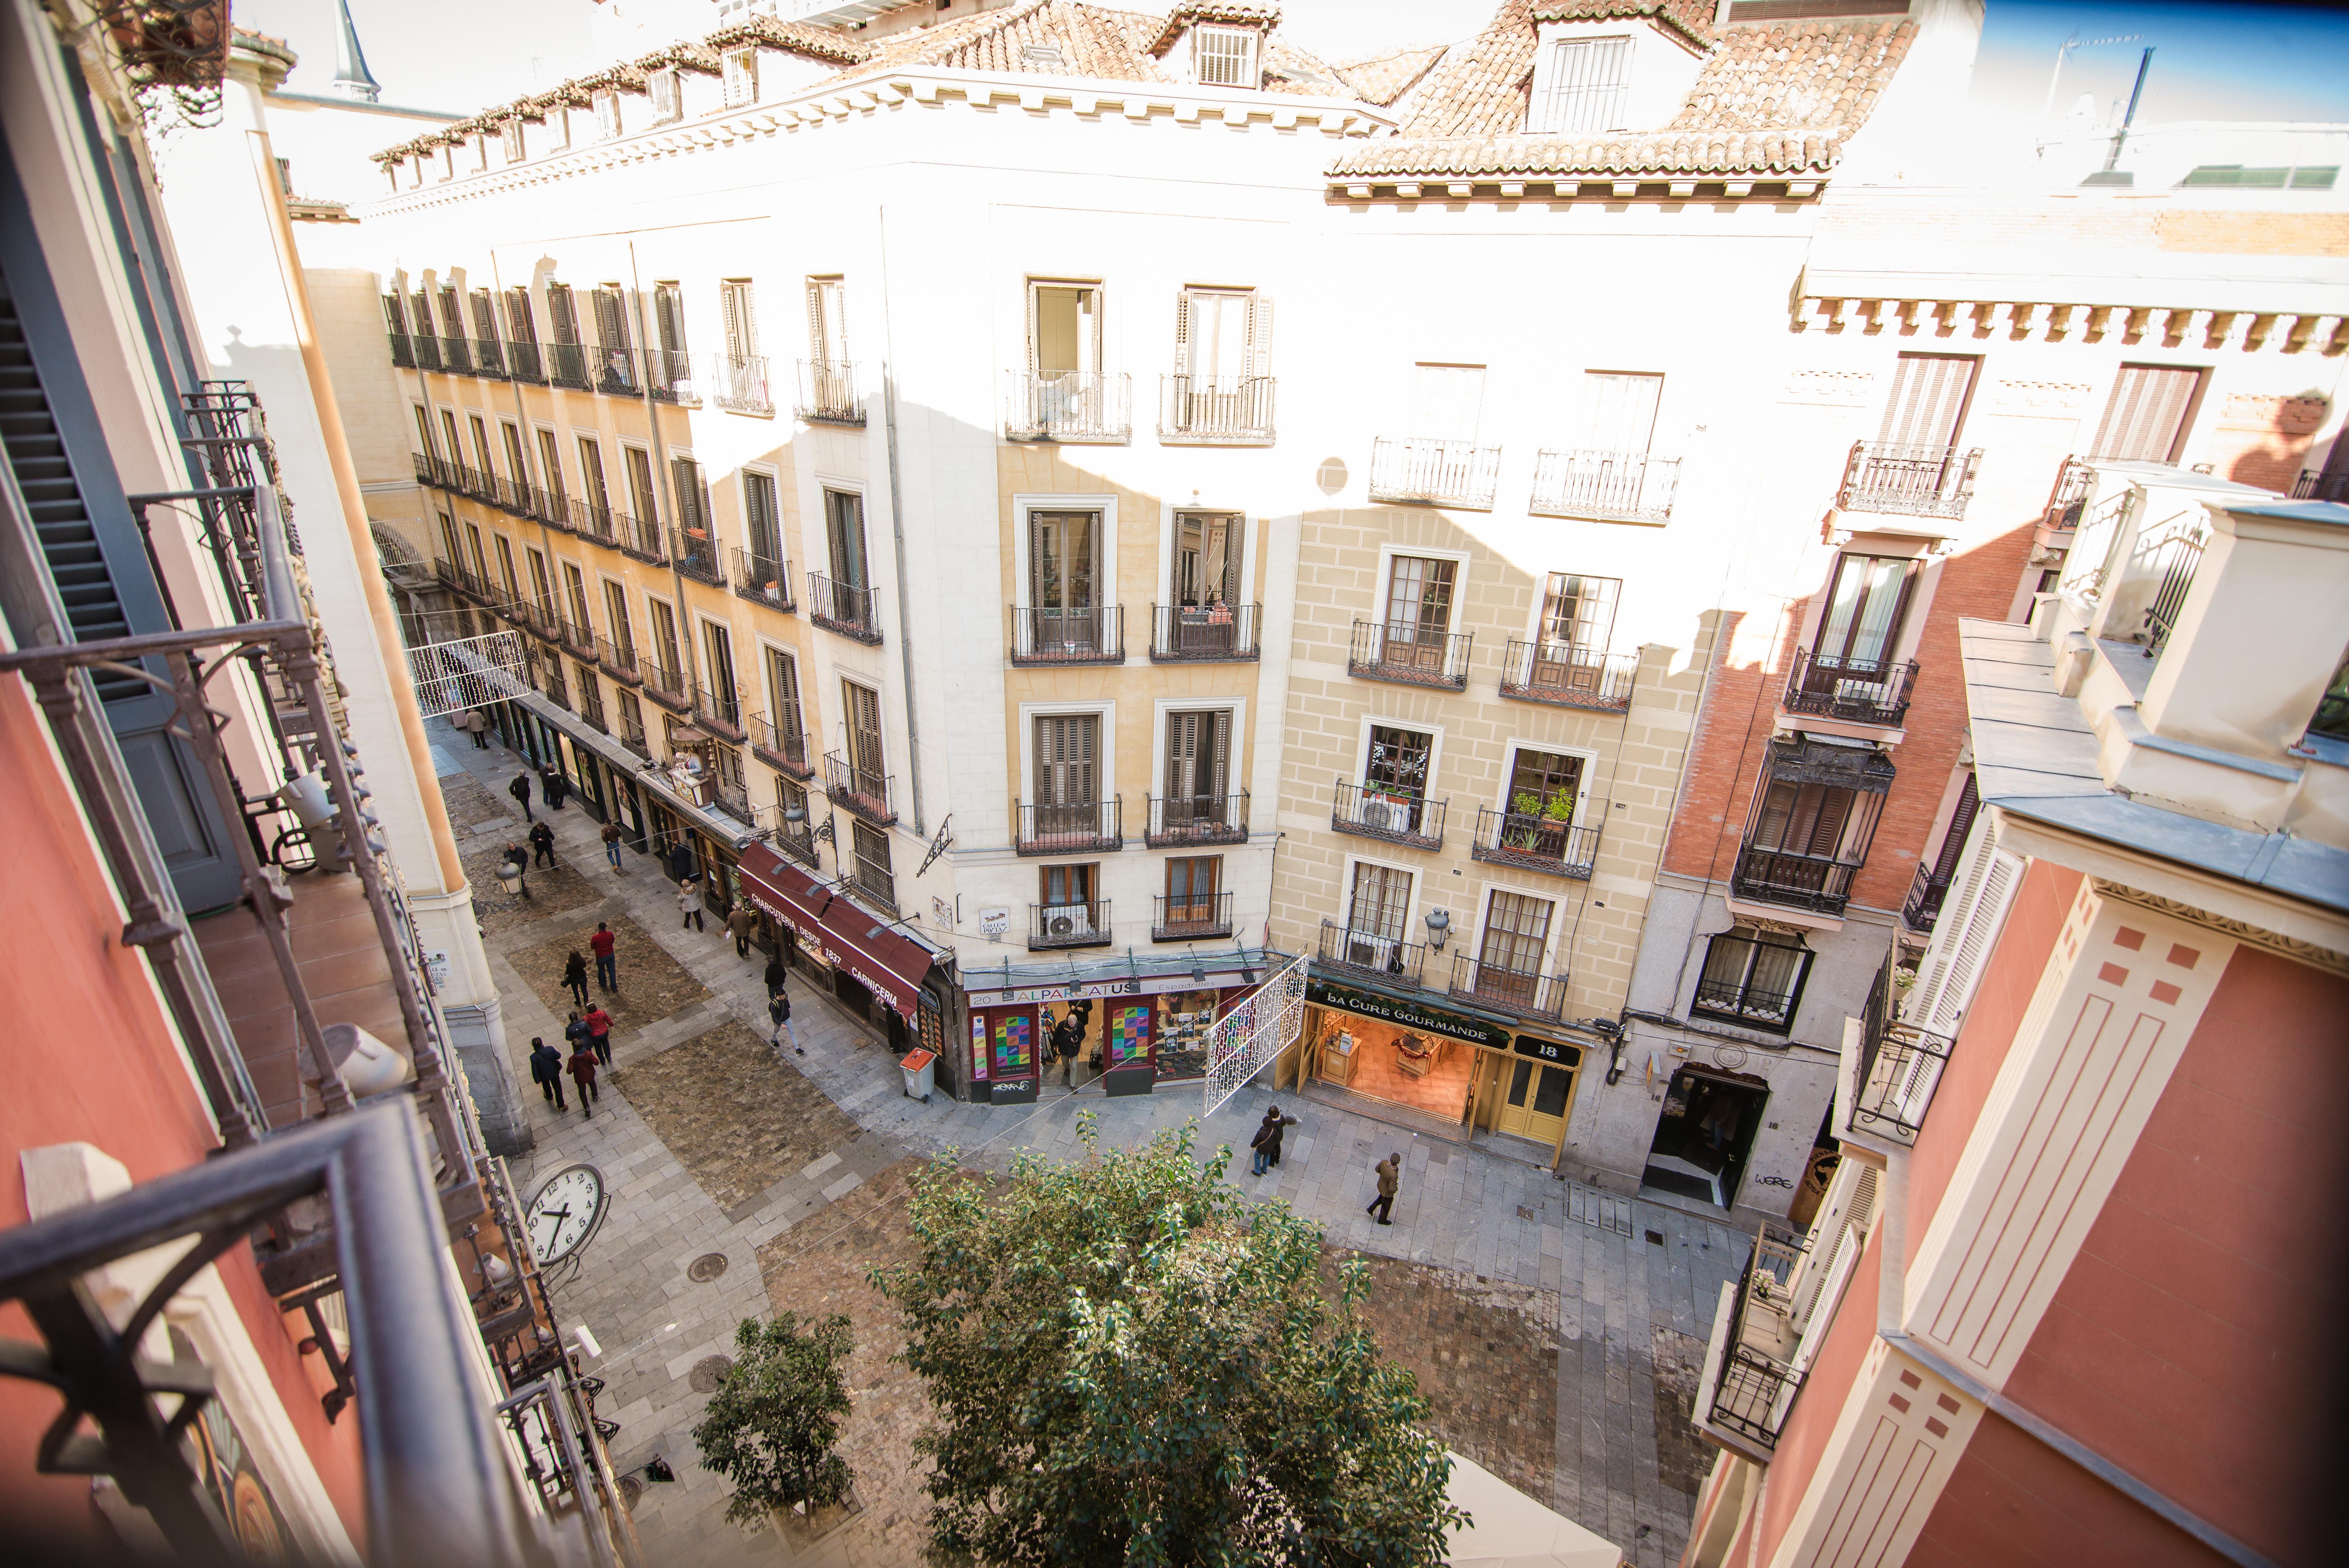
{"x":1439,"y":926}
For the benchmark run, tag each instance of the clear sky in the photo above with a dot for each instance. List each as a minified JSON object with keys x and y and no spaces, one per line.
{"x":2213,"y":60}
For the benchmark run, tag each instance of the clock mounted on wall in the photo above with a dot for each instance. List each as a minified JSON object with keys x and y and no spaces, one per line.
{"x":565,"y":1213}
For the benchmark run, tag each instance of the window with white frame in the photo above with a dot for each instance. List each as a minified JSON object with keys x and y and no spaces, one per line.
{"x":667,"y":101}
{"x":607,"y":115}
{"x":1224,"y":56}
{"x":513,"y":133}
{"x":1754,"y":977}
{"x":742,"y":78}
{"x":1580,"y":87}
{"x":1377,"y":908}
{"x":1622,"y":408}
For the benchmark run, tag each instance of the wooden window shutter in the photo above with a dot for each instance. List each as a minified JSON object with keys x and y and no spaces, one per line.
{"x":394,"y":316}
{"x":1842,"y":1232}
{"x":521,"y":323}
{"x":2002,"y":874}
{"x":562,"y":313}
{"x":423,"y":315}
{"x":1961,"y":822}
{"x":611,"y":323}
{"x":2147,"y":414}
{"x":1182,"y":755}
{"x":742,"y":318}
{"x":485,"y":319}
{"x":1927,"y":403}
{"x":669,"y":310}
{"x":1219,"y":753}
{"x":452,"y":318}
{"x":1259,"y":335}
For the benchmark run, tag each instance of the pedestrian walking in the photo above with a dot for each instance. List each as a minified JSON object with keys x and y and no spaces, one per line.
{"x":1266,"y":1142}
{"x":575,"y":1032}
{"x":575,"y":976}
{"x":742,"y":922}
{"x":779,"y":1008}
{"x":606,"y":945}
{"x":553,"y":786}
{"x":1390,"y":1171}
{"x":520,"y":790}
{"x":776,"y":970}
{"x":599,"y":1032}
{"x":689,"y":901}
{"x":546,"y":1071}
{"x":581,"y":1069}
{"x":541,"y":844}
{"x":612,"y":847}
{"x":477,"y":723}
{"x":1068,"y":1039}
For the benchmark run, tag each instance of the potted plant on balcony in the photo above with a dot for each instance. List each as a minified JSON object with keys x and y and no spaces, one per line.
{"x":1538,"y":826}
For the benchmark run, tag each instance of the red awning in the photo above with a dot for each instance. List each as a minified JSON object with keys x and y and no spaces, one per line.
{"x":887,"y":963}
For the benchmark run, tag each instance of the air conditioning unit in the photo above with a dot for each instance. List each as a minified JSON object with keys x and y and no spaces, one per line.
{"x":1069,"y":920}
{"x":1383,"y":815}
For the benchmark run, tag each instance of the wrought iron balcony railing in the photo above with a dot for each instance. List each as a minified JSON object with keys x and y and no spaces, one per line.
{"x":488,"y":361}
{"x":632,"y":733}
{"x":695,"y":552}
{"x":859,"y":790}
{"x":1410,"y":653}
{"x":1085,"y":924}
{"x":1908,"y":480}
{"x":427,"y":349}
{"x":1816,"y":883}
{"x":593,"y":520}
{"x":1182,"y":819}
{"x":2068,"y":498}
{"x":1373,"y":953}
{"x":719,"y":709}
{"x":670,"y":375}
{"x":1854,"y":691}
{"x":1071,"y":828}
{"x":1076,"y":405}
{"x":591,"y":700}
{"x":843,"y":608}
{"x":567,"y":366}
{"x":1095,"y":634}
{"x":457,"y":356}
{"x":1615,"y":486}
{"x":1568,"y":676}
{"x":640,"y":538}
{"x":796,"y":840}
{"x":1899,"y":1063}
{"x":1922,"y":907}
{"x":1535,"y":843}
{"x":1227,"y":411}
{"x":664,"y":683}
{"x":524,"y":363}
{"x":1183,"y":634}
{"x":1382,"y":812}
{"x":403,"y":350}
{"x":618,"y":659}
{"x":1754,"y":1381}
{"x":1176,"y":918}
{"x":827,"y":393}
{"x":615,"y":372}
{"x":1527,"y":993}
{"x":1418,"y":471}
{"x":2319,"y":484}
{"x":785,"y":750}
{"x":763,"y":579}
{"x":738,"y":384}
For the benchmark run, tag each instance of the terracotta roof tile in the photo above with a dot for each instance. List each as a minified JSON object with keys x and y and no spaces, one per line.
{"x":1235,"y":12}
{"x":1387,"y":78}
{"x":1692,"y":19}
{"x":792,"y":37}
{"x":1065,"y":38}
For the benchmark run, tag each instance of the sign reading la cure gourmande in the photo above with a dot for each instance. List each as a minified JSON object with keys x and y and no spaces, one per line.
{"x":1409,"y":1015}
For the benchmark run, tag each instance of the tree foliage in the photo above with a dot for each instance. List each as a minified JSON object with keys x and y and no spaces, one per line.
{"x":770,"y":1427}
{"x":1128,"y":1365}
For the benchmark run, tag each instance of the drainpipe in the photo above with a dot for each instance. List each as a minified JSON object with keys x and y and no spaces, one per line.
{"x":529,"y":454}
{"x":692,"y":671}
{"x":897,"y":530}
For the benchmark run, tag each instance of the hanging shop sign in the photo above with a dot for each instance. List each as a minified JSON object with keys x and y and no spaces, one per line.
{"x":1407,"y":1014}
{"x":838,"y":933}
{"x":1100,"y":990}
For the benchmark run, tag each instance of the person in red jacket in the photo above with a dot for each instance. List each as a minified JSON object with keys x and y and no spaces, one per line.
{"x":607,"y":965}
{"x":581,"y":1069}
{"x":599,"y":1033}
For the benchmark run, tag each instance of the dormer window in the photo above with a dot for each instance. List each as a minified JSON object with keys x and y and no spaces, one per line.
{"x":742,"y":78}
{"x":511,"y":130}
{"x":607,"y":115}
{"x":1224,"y":56}
{"x":662,"y":84}
{"x":1583,"y":86}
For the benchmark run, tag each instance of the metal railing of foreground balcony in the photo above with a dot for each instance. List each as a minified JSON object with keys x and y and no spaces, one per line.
{"x":524,"y":363}
{"x":576,"y":635}
{"x":1200,"y":411}
{"x":1914,"y":482}
{"x":783,"y":749}
{"x":858,"y":790}
{"x":427,"y":348}
{"x":843,"y":608}
{"x":1077,"y":406}
{"x":403,"y":350}
{"x":1568,"y":676}
{"x":2068,"y":497}
{"x":1621,"y":487}
{"x":1085,"y":924}
{"x":670,"y":374}
{"x":1535,"y":843}
{"x":763,"y":579}
{"x":2175,"y":561}
{"x":554,"y":1422}
{"x":663,"y":683}
{"x":1417,"y":472}
{"x":457,"y":356}
{"x":1854,"y":691}
{"x":1197,"y":820}
{"x":439,"y":1490}
{"x":1899,"y":1063}
{"x":1527,"y":992}
{"x":1372,"y":953}
{"x":615,"y":372}
{"x":1180,"y":634}
{"x":718,"y":709}
{"x":1923,"y":905}
{"x":632,"y":733}
{"x":488,"y":362}
{"x":593,"y":521}
{"x":640,"y":538}
{"x":1409,"y":653}
{"x":618,"y":659}
{"x":567,"y":364}
{"x":1814,"y":882}
{"x":2317,"y":484}
{"x":1379,"y":811}
{"x":1071,"y":828}
{"x":1095,"y":634}
{"x":827,"y":393}
{"x":1175,"y":918}
{"x":738,"y":384}
{"x":1754,"y":1389}
{"x":591,"y":701}
{"x":695,"y":552}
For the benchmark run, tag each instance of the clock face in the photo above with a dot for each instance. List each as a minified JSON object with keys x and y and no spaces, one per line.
{"x":565,"y":1213}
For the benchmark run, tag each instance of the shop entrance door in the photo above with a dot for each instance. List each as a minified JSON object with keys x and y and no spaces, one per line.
{"x":1703,"y":1136}
{"x":1534,"y":1105}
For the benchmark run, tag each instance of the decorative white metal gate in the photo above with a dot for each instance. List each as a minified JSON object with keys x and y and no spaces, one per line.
{"x":1253,"y":1033}
{"x":467,"y":672}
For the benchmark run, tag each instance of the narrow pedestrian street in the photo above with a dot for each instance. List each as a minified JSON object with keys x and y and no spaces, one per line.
{"x":1557,"y":1330}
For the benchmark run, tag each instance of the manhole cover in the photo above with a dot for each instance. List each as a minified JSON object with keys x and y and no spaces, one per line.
{"x":631,"y":1489}
{"x":705,"y":1268}
{"x":703,"y":1379}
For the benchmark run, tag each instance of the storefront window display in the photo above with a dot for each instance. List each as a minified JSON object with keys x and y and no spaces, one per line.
{"x":1183,"y":1019}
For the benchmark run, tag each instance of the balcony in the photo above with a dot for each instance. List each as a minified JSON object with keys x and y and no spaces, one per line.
{"x":2066,"y":501}
{"x":1415,"y":471}
{"x":615,"y":372}
{"x":427,"y":349}
{"x":1397,"y":816}
{"x":640,"y":538}
{"x":670,"y":374}
{"x":1750,"y":1378}
{"x":1611,"y":486}
{"x":591,"y":703}
{"x":696,"y":552}
{"x":844,"y":609}
{"x":1534,"y":843}
{"x":730,"y":798}
{"x":1568,"y":676}
{"x":763,"y":579}
{"x":1195,"y":919}
{"x":796,"y":840}
{"x":1851,"y":691}
{"x":1814,"y":882}
{"x":457,"y":356}
{"x":1389,"y":959}
{"x":1410,"y":655}
{"x":537,"y":620}
{"x":1075,"y":828}
{"x":1221,"y":411}
{"x":719,"y":709}
{"x":632,"y":733}
{"x":785,"y":750}
{"x":1094,"y":635}
{"x":576,"y":635}
{"x":488,"y":362}
{"x":738,"y":384}
{"x":566,"y":365}
{"x":827,"y":393}
{"x":1217,"y":634}
{"x":2315,"y":484}
{"x":1908,"y":481}
{"x":403,"y":350}
{"x":665,"y":685}
{"x":1899,"y":1065}
{"x":1524,"y":993}
{"x":1079,"y":406}
{"x":524,"y":363}
{"x":1056,"y":925}
{"x":858,"y":790}
{"x":618,"y":659}
{"x":1186,"y":819}
{"x":591,"y":521}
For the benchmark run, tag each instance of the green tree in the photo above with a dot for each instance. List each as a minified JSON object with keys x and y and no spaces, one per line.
{"x":770,"y":1427}
{"x":1129,"y":1365}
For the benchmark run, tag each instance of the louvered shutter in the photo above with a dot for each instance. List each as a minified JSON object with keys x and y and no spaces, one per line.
{"x":1182,"y":755}
{"x":669,"y":310}
{"x":2147,"y":414}
{"x":452,"y":318}
{"x":1953,"y":842}
{"x":1219,"y":751}
{"x":394,"y":316}
{"x":424,"y":328}
{"x":863,"y":705}
{"x":611,"y":324}
{"x":1183,"y":332}
{"x":1260,"y":332}
{"x":734,"y":303}
{"x":522,"y":323}
{"x":562,"y":313}
{"x":1928,"y":402}
{"x":485,"y":318}
{"x":1837,"y":1236}
{"x":1963,"y":938}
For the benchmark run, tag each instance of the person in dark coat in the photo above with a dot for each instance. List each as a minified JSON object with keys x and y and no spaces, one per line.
{"x":575,"y":1032}
{"x":1390,"y":1171}
{"x":581,"y":1069}
{"x":546,"y":1071}
{"x":1068,"y":1039}
{"x":1266,"y":1142}
{"x":779,"y":1008}
{"x":518,"y":857}
{"x":541,"y":844}
{"x":554,"y":786}
{"x":742,"y":922}
{"x":520,"y":790}
{"x":575,"y":975}
{"x":776,"y":970}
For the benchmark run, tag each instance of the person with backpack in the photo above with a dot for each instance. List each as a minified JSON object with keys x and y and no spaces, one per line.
{"x":599,"y":1033}
{"x":605,"y":947}
{"x":541,"y":844}
{"x":612,"y":847}
{"x":1266,"y":1142}
{"x":546,"y":1071}
{"x":520,"y":790}
{"x":575,"y":1032}
{"x":688,"y":900}
{"x":575,"y":976}
{"x":581,"y":1069}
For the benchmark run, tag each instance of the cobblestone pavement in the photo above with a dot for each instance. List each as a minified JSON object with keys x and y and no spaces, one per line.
{"x":1516,"y":1269}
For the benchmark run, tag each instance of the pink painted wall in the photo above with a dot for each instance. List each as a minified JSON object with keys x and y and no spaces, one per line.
{"x":1825,"y":1392}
